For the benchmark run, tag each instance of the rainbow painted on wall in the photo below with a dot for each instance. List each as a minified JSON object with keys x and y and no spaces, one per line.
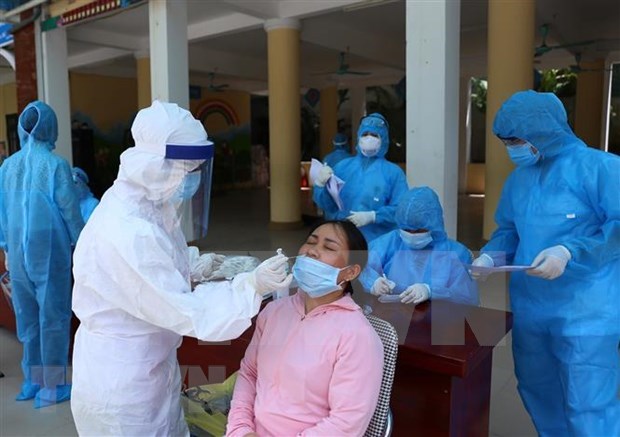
{"x":219,"y":107}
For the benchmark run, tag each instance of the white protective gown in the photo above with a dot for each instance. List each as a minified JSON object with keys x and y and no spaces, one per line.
{"x":132,"y":295}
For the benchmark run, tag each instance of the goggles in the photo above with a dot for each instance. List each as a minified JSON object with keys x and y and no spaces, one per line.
{"x":513,"y":141}
{"x":374,"y":121}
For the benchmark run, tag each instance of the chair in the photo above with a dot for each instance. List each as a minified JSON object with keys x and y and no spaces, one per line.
{"x":381,"y":423}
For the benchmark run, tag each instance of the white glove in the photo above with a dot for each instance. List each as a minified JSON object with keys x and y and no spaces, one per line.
{"x":325,"y":173}
{"x":205,"y":265}
{"x":271,"y":275}
{"x":382,"y":286}
{"x":550,"y":263}
{"x":6,"y":261}
{"x":362,"y":218}
{"x":483,"y":260}
{"x":415,"y":294}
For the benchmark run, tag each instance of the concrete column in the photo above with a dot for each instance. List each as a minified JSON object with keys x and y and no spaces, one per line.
{"x":55,"y":82}
{"x":589,"y":103}
{"x":284,"y":122}
{"x":168,"y":40}
{"x":358,"y":110}
{"x":510,"y":68}
{"x":432,"y":30}
{"x":329,"y":119}
{"x":143,"y":67}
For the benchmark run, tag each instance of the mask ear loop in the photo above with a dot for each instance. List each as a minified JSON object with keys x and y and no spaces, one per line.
{"x":340,"y":284}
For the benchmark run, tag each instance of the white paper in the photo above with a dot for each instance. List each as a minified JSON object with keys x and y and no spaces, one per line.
{"x":389,"y":298}
{"x":315,"y":167}
{"x":334,"y":184}
{"x":489,"y":270}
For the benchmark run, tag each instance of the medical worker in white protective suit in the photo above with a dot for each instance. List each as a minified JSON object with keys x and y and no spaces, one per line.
{"x":132,"y":289}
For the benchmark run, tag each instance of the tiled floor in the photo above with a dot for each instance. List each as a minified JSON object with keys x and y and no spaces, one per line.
{"x":239,"y":222}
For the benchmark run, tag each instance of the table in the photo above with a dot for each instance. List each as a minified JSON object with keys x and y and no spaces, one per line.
{"x":442,"y":385}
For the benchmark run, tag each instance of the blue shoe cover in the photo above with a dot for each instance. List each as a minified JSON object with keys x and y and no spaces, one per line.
{"x":29,"y":391}
{"x":49,"y":396}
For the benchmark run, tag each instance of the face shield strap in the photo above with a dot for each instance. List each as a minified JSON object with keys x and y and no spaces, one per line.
{"x":179,"y":151}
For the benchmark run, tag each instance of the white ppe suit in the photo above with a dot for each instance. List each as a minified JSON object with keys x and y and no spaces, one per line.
{"x":132,"y":291}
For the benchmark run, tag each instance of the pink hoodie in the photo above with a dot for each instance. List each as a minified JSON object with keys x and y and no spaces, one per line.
{"x":314,"y":374}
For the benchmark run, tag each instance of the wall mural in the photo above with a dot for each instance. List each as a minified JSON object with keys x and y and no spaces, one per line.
{"x":232,"y":165}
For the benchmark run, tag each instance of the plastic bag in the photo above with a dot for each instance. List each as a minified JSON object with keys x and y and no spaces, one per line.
{"x":206,"y":407}
{"x":233,"y":265}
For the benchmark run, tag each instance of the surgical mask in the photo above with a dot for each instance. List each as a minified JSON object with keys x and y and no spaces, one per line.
{"x":315,"y":277}
{"x":189,"y":186}
{"x":523,"y":154}
{"x":416,"y":241}
{"x":369,"y":145}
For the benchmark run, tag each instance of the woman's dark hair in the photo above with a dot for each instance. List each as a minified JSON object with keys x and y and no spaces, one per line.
{"x":356,"y":242}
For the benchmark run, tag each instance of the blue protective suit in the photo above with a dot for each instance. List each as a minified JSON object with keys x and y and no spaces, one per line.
{"x":440,"y":264}
{"x":39,"y":222}
{"x":371,"y":184}
{"x":88,"y":202}
{"x":340,"y":152}
{"x":566,"y":331}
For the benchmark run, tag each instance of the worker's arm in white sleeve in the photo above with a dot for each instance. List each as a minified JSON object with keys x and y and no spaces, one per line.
{"x":139,"y":277}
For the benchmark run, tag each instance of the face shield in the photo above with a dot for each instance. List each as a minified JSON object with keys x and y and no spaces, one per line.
{"x":192,"y":198}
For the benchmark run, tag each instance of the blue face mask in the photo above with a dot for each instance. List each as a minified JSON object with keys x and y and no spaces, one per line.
{"x":523,"y":154}
{"x":189,"y":186}
{"x":416,"y":241}
{"x":315,"y":278}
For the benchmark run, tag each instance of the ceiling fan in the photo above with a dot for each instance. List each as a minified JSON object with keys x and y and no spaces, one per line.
{"x":343,"y":68}
{"x":544,"y":48}
{"x":213,"y":87}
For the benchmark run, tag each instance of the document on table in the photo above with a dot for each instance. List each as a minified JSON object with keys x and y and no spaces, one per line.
{"x":334,"y":184}
{"x":489,"y":270}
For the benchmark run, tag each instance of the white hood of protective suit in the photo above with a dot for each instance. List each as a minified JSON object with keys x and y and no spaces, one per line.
{"x":144,"y":167}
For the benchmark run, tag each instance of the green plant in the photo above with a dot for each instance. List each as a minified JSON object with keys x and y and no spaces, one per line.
{"x":479,"y":93}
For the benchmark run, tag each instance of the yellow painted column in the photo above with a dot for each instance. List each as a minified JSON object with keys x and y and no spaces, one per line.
{"x":329,"y":119}
{"x":143,"y":66}
{"x":284,"y":122}
{"x":510,"y":66}
{"x":589,"y":102}
{"x":8,"y":105}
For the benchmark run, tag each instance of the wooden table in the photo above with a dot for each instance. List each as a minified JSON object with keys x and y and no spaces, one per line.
{"x":442,"y":385}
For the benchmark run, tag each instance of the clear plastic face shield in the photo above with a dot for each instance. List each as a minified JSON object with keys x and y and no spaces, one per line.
{"x":193,"y":196}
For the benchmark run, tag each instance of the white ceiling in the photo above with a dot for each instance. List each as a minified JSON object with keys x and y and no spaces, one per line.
{"x":227,"y":36}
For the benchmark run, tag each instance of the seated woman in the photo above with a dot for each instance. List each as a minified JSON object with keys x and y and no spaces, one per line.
{"x":314,"y":365}
{"x":418,"y":261}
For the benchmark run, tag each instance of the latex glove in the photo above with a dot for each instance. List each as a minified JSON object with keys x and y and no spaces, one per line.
{"x":415,"y":294}
{"x":6,"y":261}
{"x":362,"y":218}
{"x":550,"y":263}
{"x":382,"y":286}
{"x":271,"y":275}
{"x":325,"y":173}
{"x":205,"y":265}
{"x":483,"y":260}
